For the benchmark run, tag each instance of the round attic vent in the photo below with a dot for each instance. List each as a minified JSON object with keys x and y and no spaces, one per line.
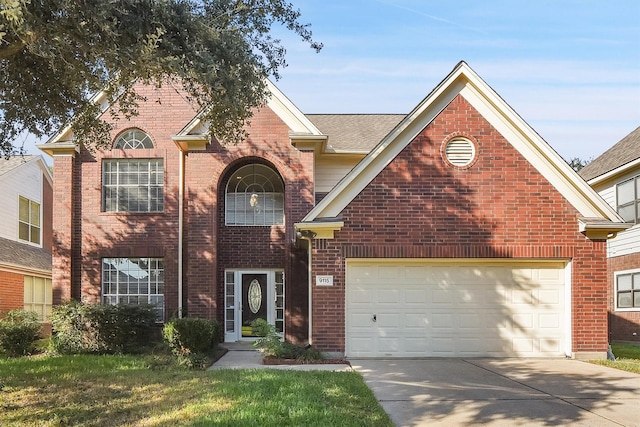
{"x":460,"y":152}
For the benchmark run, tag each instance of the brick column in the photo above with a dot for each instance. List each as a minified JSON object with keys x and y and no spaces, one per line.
{"x":63,"y":165}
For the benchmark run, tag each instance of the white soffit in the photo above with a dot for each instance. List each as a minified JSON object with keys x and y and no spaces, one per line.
{"x":464,"y":81}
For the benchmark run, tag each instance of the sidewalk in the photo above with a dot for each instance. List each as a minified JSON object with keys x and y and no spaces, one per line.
{"x":242,"y":355}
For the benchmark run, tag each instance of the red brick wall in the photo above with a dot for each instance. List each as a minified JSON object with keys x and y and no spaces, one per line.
{"x":47,"y":215}
{"x":622,"y":324}
{"x":63,"y":184}
{"x":501,"y":207}
{"x":209,"y":247}
{"x":11,"y":292}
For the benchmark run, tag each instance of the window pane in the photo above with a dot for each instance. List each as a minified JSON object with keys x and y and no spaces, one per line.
{"x":625,"y":192}
{"x":23,"y":231}
{"x":135,"y":189}
{"x":624,"y":282}
{"x":627,"y":213}
{"x":636,"y":299}
{"x":24,"y":210}
{"x":624,"y":300}
{"x":35,"y":235}
{"x":35,"y":213}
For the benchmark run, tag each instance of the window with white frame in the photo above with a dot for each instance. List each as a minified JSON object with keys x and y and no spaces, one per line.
{"x":29,"y":221}
{"x":628,"y":290}
{"x":134,"y":281}
{"x":254,"y":196}
{"x":133,"y":139}
{"x":38,"y":295}
{"x":133,"y":185}
{"x":628,"y":199}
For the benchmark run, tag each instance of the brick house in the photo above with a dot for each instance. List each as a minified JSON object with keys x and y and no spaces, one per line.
{"x":26,"y":196}
{"x":454,"y":230}
{"x":615,"y":175}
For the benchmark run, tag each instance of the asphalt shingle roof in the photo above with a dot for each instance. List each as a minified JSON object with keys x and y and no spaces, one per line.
{"x":23,"y":255}
{"x":625,"y":151}
{"x":12,"y":162}
{"x":355,"y":132}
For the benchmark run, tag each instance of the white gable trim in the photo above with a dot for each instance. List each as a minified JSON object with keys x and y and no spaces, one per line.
{"x":463,"y":80}
{"x":277,"y":101}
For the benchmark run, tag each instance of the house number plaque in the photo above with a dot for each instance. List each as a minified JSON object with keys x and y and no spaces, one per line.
{"x":324,"y":280}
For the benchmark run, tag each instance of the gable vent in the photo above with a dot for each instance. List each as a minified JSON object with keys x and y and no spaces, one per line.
{"x":460,"y":152}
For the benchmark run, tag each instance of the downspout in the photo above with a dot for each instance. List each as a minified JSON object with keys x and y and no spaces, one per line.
{"x":180,"y":230}
{"x":305,"y":236}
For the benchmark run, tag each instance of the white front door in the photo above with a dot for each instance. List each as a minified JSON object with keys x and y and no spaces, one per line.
{"x":251,"y":295}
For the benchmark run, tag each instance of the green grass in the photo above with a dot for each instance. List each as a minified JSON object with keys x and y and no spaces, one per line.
{"x":627,"y":357}
{"x":129,"y":391}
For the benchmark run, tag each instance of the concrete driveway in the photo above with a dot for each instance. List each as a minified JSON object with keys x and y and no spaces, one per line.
{"x":499,"y":392}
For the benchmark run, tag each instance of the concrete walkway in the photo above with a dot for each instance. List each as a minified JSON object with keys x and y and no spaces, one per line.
{"x":502,"y":392}
{"x":242,"y":355}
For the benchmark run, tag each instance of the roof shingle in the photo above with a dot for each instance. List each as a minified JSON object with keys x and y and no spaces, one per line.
{"x":625,"y":151}
{"x":23,"y":255}
{"x":355,"y":132}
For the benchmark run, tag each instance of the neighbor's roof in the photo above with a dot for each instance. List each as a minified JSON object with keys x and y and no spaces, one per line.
{"x":355,"y":132}
{"x":16,"y":254}
{"x":13,"y":162}
{"x":625,"y":151}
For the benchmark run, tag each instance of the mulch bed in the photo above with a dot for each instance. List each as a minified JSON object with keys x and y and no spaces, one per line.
{"x":275,"y":361}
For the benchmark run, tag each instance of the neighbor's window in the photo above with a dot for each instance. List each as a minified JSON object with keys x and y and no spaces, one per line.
{"x":134,"y":281}
{"x":628,"y":199}
{"x":254,"y":196}
{"x":37,"y":296}
{"x":628,"y":290}
{"x":133,"y":139}
{"x":133,"y":185}
{"x":29,"y":221}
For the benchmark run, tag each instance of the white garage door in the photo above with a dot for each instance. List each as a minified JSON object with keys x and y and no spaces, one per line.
{"x":458,"y":309}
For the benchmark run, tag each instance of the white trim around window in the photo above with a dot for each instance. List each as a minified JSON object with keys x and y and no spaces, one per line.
{"x":626,"y":290}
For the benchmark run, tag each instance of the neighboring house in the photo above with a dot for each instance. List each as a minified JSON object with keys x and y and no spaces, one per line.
{"x":26,"y":197}
{"x":452,"y":231}
{"x":615,"y":175}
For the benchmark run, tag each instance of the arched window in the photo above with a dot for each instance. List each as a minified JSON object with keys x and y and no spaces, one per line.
{"x":133,"y":139}
{"x":254,"y":196}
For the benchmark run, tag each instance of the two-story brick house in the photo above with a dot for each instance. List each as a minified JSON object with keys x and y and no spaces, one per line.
{"x":453,"y":230}
{"x":615,"y":175}
{"x":26,"y":192}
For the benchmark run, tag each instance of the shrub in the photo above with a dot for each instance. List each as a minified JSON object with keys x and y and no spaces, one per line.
{"x":191,"y":336}
{"x":272,"y":345}
{"x":102,"y":329}
{"x":19,"y":331}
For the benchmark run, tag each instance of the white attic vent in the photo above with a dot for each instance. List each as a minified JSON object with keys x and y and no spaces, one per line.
{"x":460,"y":152}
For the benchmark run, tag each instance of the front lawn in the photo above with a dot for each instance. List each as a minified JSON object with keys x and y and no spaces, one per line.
{"x":627,"y":357}
{"x":129,"y":390}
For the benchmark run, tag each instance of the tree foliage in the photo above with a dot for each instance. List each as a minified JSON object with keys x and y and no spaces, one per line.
{"x":577,"y":163}
{"x":55,"y":54}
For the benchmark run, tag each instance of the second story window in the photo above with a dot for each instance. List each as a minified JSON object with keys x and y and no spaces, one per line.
{"x":29,"y":221}
{"x":133,"y":185}
{"x":628,"y":200}
{"x":254,"y":196}
{"x":133,"y":139}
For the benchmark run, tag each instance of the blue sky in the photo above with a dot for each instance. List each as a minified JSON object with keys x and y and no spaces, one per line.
{"x":571,"y":69}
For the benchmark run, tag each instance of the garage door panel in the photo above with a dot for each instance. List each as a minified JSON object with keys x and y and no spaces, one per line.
{"x":446,"y":311}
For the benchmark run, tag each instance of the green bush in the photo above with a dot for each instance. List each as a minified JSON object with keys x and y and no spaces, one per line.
{"x":102,"y":329}
{"x":191,"y":336}
{"x":272,"y":345}
{"x":19,"y":331}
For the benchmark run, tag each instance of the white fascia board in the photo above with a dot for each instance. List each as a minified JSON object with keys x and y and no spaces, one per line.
{"x":614,"y":172}
{"x":533,"y":148}
{"x":289,"y":113}
{"x":297,"y":122}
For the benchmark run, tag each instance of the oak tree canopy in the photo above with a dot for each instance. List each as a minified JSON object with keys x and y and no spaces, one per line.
{"x":56,"y":54}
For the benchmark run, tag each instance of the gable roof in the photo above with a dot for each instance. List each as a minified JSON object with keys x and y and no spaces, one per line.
{"x":8,"y":165}
{"x":357,"y":133}
{"x":623,"y":153}
{"x":465,"y":82}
